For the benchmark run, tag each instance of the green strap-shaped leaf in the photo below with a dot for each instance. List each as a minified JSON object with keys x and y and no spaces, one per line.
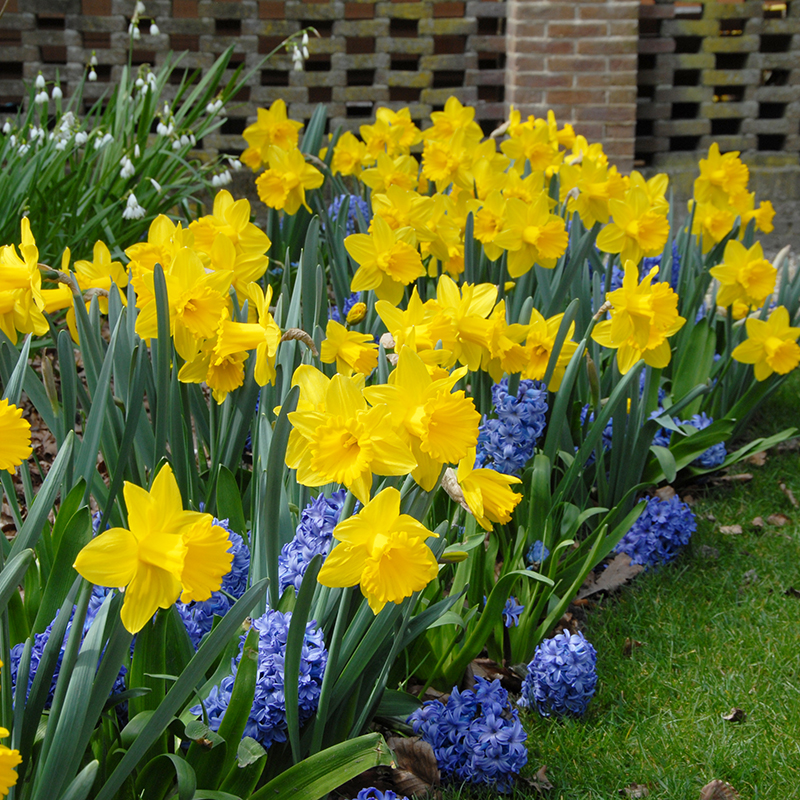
{"x":160,"y":773}
{"x":319,"y":774}
{"x":82,"y":783}
{"x":14,"y":387}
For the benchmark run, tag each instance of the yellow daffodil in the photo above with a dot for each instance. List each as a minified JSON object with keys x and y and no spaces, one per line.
{"x":438,"y":424}
{"x":382,"y":138}
{"x":504,"y":351}
{"x":421,"y":326}
{"x":532,"y":235}
{"x":487,"y":492}
{"x":448,"y":162}
{"x":167,"y":553}
{"x":349,"y":156}
{"x":532,"y":144}
{"x":489,"y":221}
{"x":352,"y":351}
{"x":744,"y":204}
{"x":539,"y":344}
{"x":382,"y":550}
{"x":744,"y":275}
{"x":588,"y":187}
{"x":222,"y":374}
{"x":454,"y":117}
{"x":643,"y":316}
{"x":346,"y":442}
{"x":386,"y":262}
{"x":284,"y":184}
{"x":404,"y":208}
{"x":636,"y":230}
{"x":9,"y":761}
{"x":197,"y":301}
{"x":15,"y":435}
{"x":271,"y":128}
{"x":721,"y":177}
{"x":356,"y":314}
{"x":401,"y":171}
{"x":401,"y":120}
{"x":165,"y":239}
{"x":771,"y":345}
{"x":711,"y":223}
{"x":100,"y":273}
{"x":263,"y":336}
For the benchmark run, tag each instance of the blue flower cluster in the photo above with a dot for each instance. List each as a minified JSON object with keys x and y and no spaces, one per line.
{"x":587,"y":415}
{"x":476,"y":737}
{"x":506,"y":444}
{"x":562,"y":677}
{"x":267,"y":721}
{"x":675,"y":271}
{"x":659,"y":533}
{"x":376,"y":794}
{"x":352,"y":217}
{"x":349,"y":302}
{"x":537,"y":552}
{"x":198,"y":617}
{"x":313,"y":535}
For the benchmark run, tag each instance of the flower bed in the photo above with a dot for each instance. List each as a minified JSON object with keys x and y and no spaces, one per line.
{"x":350,"y":453}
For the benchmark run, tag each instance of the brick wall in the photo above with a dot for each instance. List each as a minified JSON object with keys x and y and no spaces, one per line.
{"x":577,"y":57}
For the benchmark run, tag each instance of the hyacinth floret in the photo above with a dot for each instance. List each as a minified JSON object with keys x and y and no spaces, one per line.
{"x":506,"y":444}
{"x":356,"y":202}
{"x":562,"y":676}
{"x":198,"y":617}
{"x":587,"y":415}
{"x":511,"y":612}
{"x":267,"y":721}
{"x":537,"y":552}
{"x":349,"y":302}
{"x":372,"y":793}
{"x":313,"y":536}
{"x":717,"y":453}
{"x":662,"y":529}
{"x":476,"y":736}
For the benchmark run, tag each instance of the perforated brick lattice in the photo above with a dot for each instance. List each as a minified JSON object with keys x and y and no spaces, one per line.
{"x":718,"y":71}
{"x":370,"y":53}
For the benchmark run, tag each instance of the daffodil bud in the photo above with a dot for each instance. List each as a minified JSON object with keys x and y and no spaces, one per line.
{"x":356,"y":313}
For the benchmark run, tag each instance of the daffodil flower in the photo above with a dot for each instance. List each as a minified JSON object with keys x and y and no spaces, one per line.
{"x":744,"y":275}
{"x":771,"y":345}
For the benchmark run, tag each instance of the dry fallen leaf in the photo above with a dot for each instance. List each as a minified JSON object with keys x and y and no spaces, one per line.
{"x":540,"y":782}
{"x":627,"y":648}
{"x":757,"y":522}
{"x":741,"y":477}
{"x":489,"y":669}
{"x":711,"y":518}
{"x":718,"y":790}
{"x":665,"y":493}
{"x":735,"y":715}
{"x":618,"y":572}
{"x":635,"y":790}
{"x":757,"y":459}
{"x":778,"y":520}
{"x":730,"y":530}
{"x":788,"y":492}
{"x":417,"y":773}
{"x":751,"y":576}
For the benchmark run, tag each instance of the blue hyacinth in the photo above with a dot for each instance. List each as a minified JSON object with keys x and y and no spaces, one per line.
{"x":476,"y":736}
{"x":376,"y":794}
{"x":662,"y":529}
{"x":511,"y":612}
{"x":313,"y":535}
{"x":717,"y":453}
{"x":562,"y":676}
{"x":587,"y":416}
{"x":352,"y":217}
{"x":267,"y":721}
{"x":198,"y":617}
{"x":506,"y":444}
{"x":537,"y":552}
{"x":349,"y":302}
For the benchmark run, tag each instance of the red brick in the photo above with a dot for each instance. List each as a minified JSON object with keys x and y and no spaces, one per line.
{"x":549,"y":80}
{"x":525,"y":62}
{"x":593,"y":131}
{"x":576,"y":64}
{"x":98,"y":8}
{"x":577,"y":30}
{"x":612,"y":11}
{"x":358,"y":10}
{"x":561,"y":47}
{"x":592,"y":47}
{"x":546,"y":11}
{"x":620,"y":131}
{"x":622,"y":95}
{"x":622,"y":63}
{"x":573,"y":97}
{"x":526,"y":94}
{"x":185,"y":9}
{"x":530,"y":30}
{"x":448,"y":9}
{"x":606,"y":113}
{"x":623,"y":28}
{"x":608,"y":79}
{"x":271,"y":9}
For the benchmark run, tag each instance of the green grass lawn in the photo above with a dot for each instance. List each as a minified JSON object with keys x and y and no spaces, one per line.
{"x":715,"y":633}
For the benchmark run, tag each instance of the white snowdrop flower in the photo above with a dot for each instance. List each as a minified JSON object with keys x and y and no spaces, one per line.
{"x":215,"y":181}
{"x":176,"y":145}
{"x":165,"y":112}
{"x":67,"y":121}
{"x":51,"y":136}
{"x":211,"y":108}
{"x":61,"y":144}
{"x":304,"y":40}
{"x":92,"y":75}
{"x":184,"y":140}
{"x":13,"y":140}
{"x":127,"y":170}
{"x":151,"y":80}
{"x":156,"y":184}
{"x":161,"y":129}
{"x":93,"y":59}
{"x":7,"y":128}
{"x":39,"y":81}
{"x":139,"y":7}
{"x":170,"y":129}
{"x":41,"y":97}
{"x":154,"y":31}
{"x":57,"y":94}
{"x":132,"y":209}
{"x":23,"y":148}
{"x":235,"y":164}
{"x":139,"y":83}
{"x":136,"y":151}
{"x":134,"y":31}
{"x":297,"y":59}
{"x":192,"y":140}
{"x":81,"y":138}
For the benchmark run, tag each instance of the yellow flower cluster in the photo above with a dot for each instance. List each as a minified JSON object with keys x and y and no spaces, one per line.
{"x":201,"y":263}
{"x":15,"y":435}
{"x":9,"y":761}
{"x":467,"y":325}
{"x":720,"y":196}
